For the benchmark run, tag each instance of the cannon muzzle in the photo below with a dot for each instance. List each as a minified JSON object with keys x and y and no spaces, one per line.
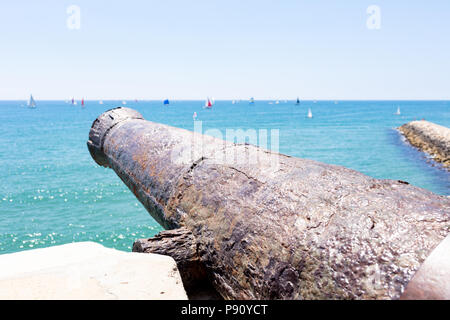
{"x":100,"y":128}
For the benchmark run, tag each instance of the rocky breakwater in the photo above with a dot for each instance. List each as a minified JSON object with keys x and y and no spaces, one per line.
{"x":430,"y":138}
{"x":262,"y":225}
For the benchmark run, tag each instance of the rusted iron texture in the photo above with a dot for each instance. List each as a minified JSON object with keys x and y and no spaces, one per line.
{"x":281,"y":228}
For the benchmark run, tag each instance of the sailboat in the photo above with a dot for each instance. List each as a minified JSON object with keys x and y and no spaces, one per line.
{"x":124,"y":102}
{"x":208,"y":104}
{"x":309,"y":113}
{"x":252,"y":100}
{"x":166,"y":102}
{"x":31,"y":102}
{"x":100,"y":102}
{"x":398,"y":111}
{"x":298,"y":101}
{"x":82,"y":102}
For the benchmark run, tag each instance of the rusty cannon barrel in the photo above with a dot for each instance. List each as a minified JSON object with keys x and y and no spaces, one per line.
{"x":269,"y":226}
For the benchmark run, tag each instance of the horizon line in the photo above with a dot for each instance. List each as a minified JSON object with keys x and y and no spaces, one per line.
{"x":226,"y":99}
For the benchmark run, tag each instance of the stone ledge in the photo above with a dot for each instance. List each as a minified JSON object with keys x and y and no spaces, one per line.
{"x":87,"y":270}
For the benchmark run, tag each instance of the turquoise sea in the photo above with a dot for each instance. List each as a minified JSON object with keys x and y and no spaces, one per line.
{"x":52,"y":192}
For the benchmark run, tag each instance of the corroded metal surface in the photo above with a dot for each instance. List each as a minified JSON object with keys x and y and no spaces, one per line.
{"x":432,"y":280}
{"x":296,"y":230}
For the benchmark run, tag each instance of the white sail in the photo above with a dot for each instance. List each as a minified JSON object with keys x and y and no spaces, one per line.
{"x":309,"y":113}
{"x":31,"y":102}
{"x":398,"y":111}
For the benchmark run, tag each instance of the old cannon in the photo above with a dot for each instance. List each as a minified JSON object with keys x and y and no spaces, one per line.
{"x":263,"y":225}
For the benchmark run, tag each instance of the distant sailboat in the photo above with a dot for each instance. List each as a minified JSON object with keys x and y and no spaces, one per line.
{"x":309,"y":113}
{"x":398,"y":111}
{"x":100,"y":102}
{"x":166,"y":102}
{"x":124,"y":102}
{"x":82,"y":102}
{"x":252,"y":100}
{"x":73,"y":101}
{"x":277,"y":102}
{"x":31,"y":102}
{"x":208,"y":104}
{"x":298,"y":101}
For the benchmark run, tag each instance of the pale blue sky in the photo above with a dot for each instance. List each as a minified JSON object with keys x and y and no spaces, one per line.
{"x":227,"y":49}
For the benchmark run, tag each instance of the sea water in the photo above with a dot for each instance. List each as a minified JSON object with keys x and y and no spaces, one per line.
{"x":52,"y":192}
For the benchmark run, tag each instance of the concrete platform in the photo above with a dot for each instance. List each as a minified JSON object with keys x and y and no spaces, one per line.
{"x":87,"y":270}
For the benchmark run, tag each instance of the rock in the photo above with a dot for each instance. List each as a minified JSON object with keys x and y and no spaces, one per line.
{"x":430,"y":138}
{"x":276,"y":228}
{"x":180,"y":245}
{"x":87,"y":270}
